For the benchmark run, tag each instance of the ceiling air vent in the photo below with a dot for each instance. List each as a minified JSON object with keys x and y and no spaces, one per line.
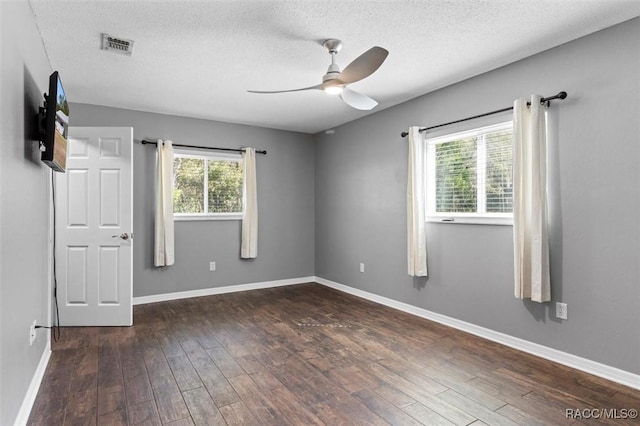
{"x":117,"y":44}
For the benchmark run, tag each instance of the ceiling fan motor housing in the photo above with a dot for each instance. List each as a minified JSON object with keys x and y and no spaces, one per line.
{"x":332,"y":72}
{"x":333,"y":46}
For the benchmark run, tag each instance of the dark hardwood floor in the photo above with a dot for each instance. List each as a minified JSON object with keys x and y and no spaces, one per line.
{"x":304,"y":355}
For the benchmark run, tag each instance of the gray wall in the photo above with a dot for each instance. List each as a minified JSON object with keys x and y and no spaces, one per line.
{"x":358,"y":207}
{"x":24,"y":205}
{"x":285,"y":204}
{"x":595,"y":198}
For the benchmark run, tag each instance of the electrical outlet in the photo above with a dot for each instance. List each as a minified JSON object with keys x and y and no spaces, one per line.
{"x":32,"y":333}
{"x":212,"y":266}
{"x":362,"y":267}
{"x":561,"y":310}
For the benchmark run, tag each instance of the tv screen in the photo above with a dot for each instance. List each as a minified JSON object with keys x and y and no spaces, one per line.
{"x":56,"y":125}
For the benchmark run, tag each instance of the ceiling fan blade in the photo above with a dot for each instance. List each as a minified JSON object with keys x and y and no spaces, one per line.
{"x":357,"y":100}
{"x":363,"y":66}
{"x":317,"y":86}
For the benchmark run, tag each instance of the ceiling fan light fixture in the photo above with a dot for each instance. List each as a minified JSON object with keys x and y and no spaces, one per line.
{"x":335,"y":82}
{"x":333,"y":90}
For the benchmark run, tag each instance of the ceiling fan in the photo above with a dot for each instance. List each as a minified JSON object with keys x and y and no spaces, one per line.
{"x":335,"y":82}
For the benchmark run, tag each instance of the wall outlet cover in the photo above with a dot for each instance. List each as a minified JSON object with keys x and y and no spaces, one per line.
{"x":32,"y":333}
{"x":561,"y":310}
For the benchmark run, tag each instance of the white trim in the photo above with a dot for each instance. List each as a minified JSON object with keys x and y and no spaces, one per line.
{"x":32,"y":390}
{"x":597,"y":369}
{"x":205,"y":152}
{"x":592,"y":367}
{"x":141,"y":300}
{"x":471,"y":220}
{"x":186,"y":217}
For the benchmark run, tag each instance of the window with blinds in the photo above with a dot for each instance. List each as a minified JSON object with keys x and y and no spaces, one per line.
{"x":469,"y":176}
{"x":207,"y":186}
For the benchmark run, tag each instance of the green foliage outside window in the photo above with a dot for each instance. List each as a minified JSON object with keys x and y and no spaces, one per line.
{"x":225,"y":187}
{"x":224,"y":183}
{"x":188,"y":185}
{"x":499,"y":180}
{"x":456,"y":176}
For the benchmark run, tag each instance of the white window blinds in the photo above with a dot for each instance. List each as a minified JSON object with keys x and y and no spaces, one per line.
{"x":469,"y":174}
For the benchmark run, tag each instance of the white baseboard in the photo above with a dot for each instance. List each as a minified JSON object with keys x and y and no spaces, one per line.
{"x":32,"y":390}
{"x":597,"y":369}
{"x":219,"y":290}
{"x":592,"y":367}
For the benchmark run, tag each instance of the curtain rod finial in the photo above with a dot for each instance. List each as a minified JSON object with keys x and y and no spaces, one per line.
{"x":562,"y":95}
{"x":403,"y":134}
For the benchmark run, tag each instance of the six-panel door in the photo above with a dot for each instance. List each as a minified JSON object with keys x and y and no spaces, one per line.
{"x":94,"y":209}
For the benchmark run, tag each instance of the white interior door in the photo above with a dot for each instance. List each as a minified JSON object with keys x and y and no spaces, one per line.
{"x":94,"y":209}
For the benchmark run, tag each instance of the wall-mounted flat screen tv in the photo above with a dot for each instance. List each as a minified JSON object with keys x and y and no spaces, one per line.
{"x":56,"y":125}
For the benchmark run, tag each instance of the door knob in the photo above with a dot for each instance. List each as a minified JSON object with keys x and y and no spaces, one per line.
{"x":123,"y":236}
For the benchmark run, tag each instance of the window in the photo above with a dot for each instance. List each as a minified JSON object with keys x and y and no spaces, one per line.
{"x":469,"y":176}
{"x":207,"y":186}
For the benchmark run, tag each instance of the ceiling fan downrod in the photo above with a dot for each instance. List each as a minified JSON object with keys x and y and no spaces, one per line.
{"x":333,"y":46}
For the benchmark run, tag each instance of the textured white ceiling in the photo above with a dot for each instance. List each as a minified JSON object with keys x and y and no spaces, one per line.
{"x":198,"y":58}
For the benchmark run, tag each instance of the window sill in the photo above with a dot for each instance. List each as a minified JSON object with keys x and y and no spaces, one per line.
{"x":472,"y":220}
{"x":197,"y":217}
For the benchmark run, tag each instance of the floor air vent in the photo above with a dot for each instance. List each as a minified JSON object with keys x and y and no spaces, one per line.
{"x":117,"y":44}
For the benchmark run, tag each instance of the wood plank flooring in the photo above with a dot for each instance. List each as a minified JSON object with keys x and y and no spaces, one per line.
{"x":304,"y":355}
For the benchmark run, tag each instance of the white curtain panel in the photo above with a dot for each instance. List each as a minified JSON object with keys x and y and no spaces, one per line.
{"x":530,"y":238}
{"x":163,"y":245}
{"x":249,"y":248}
{"x":416,"y":226}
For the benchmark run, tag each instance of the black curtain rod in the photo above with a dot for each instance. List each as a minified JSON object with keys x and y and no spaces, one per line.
{"x":145,"y":142}
{"x":561,"y":95}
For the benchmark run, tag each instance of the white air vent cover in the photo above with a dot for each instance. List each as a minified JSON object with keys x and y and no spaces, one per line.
{"x":117,"y":44}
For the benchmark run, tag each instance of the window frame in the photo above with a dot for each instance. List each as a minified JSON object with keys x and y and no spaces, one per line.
{"x":477,"y":217}
{"x":208,"y":156}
